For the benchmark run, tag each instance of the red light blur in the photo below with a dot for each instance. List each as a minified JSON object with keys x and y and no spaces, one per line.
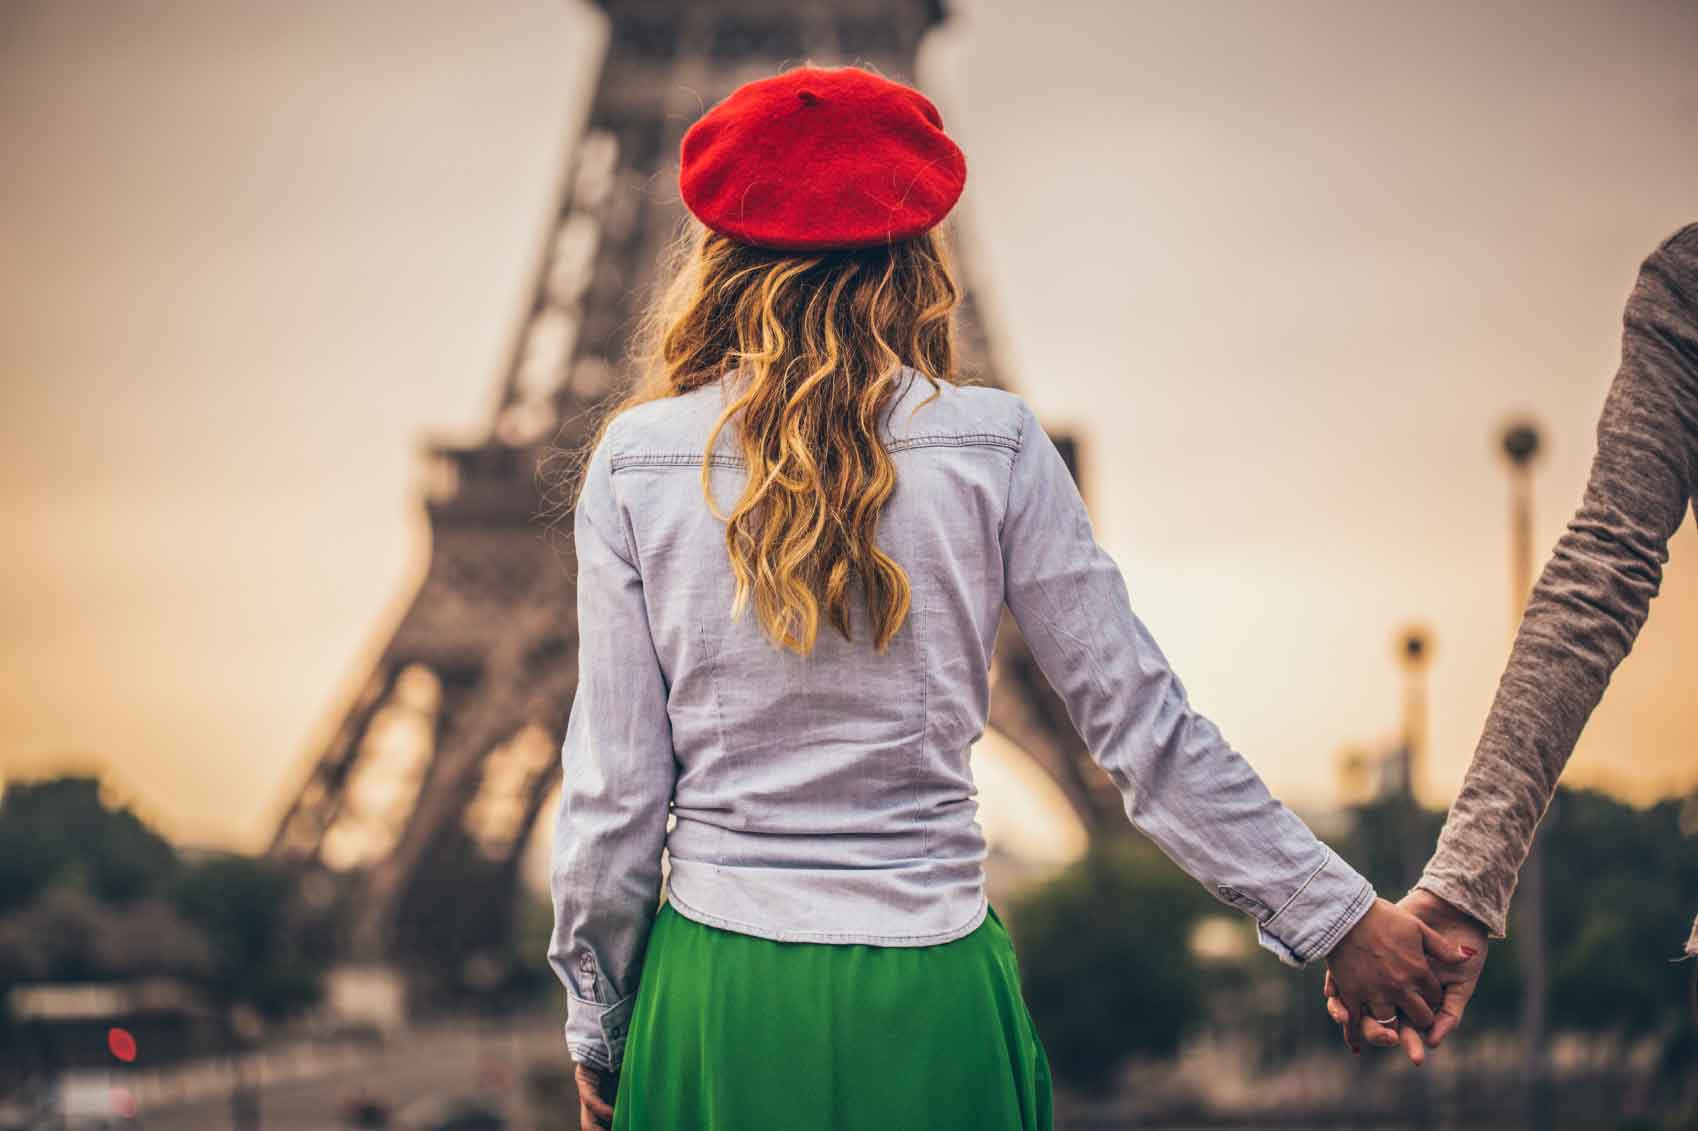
{"x":122,"y":1043}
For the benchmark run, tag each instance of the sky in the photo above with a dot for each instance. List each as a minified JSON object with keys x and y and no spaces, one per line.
{"x":1283,"y":268}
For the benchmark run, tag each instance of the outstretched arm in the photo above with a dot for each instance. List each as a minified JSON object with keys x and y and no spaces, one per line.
{"x":1592,"y":596}
{"x":618,"y":773}
{"x":1184,"y":786}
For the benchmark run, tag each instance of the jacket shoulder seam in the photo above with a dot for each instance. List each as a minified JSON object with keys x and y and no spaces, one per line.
{"x":1008,"y":491}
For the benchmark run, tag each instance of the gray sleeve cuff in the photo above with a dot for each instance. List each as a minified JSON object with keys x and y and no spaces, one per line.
{"x":1331,"y":901}
{"x":1441,"y":881}
{"x":595,"y":1033}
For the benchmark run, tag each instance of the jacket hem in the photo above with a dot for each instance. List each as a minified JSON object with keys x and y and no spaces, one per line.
{"x":779,"y":934}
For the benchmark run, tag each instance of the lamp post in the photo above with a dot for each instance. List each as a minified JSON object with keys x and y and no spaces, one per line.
{"x":1414,"y":647}
{"x":1414,"y":652}
{"x":1521,"y":445}
{"x":1521,"y":448}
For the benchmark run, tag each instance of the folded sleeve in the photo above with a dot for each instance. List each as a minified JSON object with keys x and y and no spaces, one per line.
{"x":1184,"y":787}
{"x":618,"y":771}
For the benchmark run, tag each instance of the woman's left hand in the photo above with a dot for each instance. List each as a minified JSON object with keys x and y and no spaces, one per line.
{"x":596,"y":1089}
{"x":1383,"y":968}
{"x":1458,"y":981}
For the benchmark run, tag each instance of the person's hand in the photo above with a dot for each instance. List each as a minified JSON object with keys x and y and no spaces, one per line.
{"x":1383,"y":968}
{"x":1692,"y":993}
{"x":596,"y":1089}
{"x":1458,"y":980}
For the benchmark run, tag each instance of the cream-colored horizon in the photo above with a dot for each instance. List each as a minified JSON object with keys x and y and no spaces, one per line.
{"x":1283,"y":268}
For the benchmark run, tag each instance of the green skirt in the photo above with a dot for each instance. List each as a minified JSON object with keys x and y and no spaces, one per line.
{"x":733,"y":1032}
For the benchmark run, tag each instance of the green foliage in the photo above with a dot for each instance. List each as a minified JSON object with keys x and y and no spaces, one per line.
{"x":1621,"y":888}
{"x":89,"y":892}
{"x":1105,"y":958}
{"x":68,"y":935}
{"x":241,"y":903}
{"x":1108,"y":972}
{"x":60,"y":833}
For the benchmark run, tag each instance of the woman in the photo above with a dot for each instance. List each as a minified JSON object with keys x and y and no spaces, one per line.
{"x":825,"y":956}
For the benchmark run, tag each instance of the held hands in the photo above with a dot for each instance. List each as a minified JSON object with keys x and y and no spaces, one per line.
{"x":596,"y":1089}
{"x":1455,"y":944}
{"x":1387,"y":967}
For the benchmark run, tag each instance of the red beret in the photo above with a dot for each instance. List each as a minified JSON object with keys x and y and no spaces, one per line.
{"x":820,"y":158}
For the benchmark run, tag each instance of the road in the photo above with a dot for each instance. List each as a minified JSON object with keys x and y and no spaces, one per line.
{"x":418,"y":1065}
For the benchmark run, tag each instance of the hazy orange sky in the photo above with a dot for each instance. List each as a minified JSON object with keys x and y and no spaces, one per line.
{"x":1283,"y":266}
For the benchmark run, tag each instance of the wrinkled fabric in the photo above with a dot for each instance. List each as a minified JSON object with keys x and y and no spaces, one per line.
{"x":1592,"y":596}
{"x":828,"y":798}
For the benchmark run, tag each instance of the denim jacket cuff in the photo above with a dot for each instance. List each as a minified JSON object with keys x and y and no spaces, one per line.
{"x":1332,"y":900}
{"x":595,"y":1031}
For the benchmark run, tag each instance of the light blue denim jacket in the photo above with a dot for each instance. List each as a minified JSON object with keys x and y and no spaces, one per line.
{"x":829,"y":798}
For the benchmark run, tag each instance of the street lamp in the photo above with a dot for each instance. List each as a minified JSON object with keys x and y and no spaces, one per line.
{"x":1414,"y":649}
{"x":1414,"y":652}
{"x":1521,"y":448}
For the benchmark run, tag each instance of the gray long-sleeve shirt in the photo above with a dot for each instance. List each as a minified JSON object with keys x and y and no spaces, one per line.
{"x":1593,"y":595}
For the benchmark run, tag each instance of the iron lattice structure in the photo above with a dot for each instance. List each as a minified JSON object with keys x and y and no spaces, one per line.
{"x":457,"y":726}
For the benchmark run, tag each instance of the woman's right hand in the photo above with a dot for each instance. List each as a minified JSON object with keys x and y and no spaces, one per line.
{"x":1382,"y":968}
{"x":596,"y":1089}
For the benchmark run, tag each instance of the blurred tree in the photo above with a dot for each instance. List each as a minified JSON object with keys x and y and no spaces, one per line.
{"x":1621,"y":891}
{"x":1107,"y":972}
{"x":59,"y":832}
{"x":1105,"y":958}
{"x":66,"y":935}
{"x":89,"y":892}
{"x":458,"y":923}
{"x":241,"y":903}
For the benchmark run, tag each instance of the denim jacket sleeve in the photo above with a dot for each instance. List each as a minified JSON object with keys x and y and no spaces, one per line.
{"x":618,"y":772}
{"x":1184,"y":786}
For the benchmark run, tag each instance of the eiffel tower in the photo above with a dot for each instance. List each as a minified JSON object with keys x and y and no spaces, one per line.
{"x":460,"y":720}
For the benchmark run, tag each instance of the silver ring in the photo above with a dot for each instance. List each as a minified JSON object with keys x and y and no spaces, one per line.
{"x":1392,"y":1020}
